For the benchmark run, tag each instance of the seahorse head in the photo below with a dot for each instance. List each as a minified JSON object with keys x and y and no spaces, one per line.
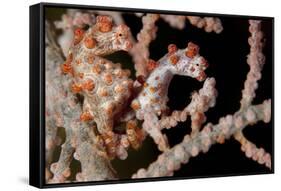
{"x":188,"y":62}
{"x":103,"y":37}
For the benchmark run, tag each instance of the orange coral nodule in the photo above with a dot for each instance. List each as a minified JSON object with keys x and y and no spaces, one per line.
{"x":81,"y":75}
{"x":79,"y":32}
{"x":201,"y":77}
{"x":126,"y":73}
{"x":108,"y":78}
{"x":131,"y":124}
{"x":129,"y":84}
{"x":78,"y":62}
{"x":118,"y":72}
{"x":88,"y":85}
{"x":197,"y":119}
{"x":69,"y":58}
{"x":76,"y":88}
{"x":128,"y":45}
{"x":152,"y":89}
{"x":135,"y":105}
{"x":119,"y":88}
{"x":96,"y":69}
{"x":174,"y":59}
{"x":134,"y":134}
{"x":102,"y":92}
{"x":86,"y":116}
{"x":78,"y":35}
{"x":110,"y":143}
{"x":102,"y":62}
{"x":151,"y":65}
{"x":66,"y":68}
{"x":104,"y":23}
{"x":90,"y":42}
{"x":108,"y":66}
{"x":91,"y":59}
{"x":172,"y":48}
{"x":109,"y":109}
{"x":204,"y":63}
{"x":66,"y":173}
{"x":192,"y":50}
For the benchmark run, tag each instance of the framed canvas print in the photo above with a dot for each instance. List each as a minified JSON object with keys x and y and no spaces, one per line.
{"x":123,"y":95}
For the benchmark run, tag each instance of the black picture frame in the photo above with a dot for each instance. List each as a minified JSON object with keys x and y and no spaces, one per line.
{"x":37,"y":94}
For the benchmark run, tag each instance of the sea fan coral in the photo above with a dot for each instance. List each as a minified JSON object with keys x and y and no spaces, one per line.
{"x":98,"y":107}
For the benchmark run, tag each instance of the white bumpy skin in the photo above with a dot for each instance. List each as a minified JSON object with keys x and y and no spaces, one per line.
{"x":152,"y":100}
{"x":185,"y":62}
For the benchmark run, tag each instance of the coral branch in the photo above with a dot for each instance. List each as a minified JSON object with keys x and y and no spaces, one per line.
{"x":54,"y":93}
{"x":172,"y":159}
{"x":140,"y":50}
{"x":255,"y":60}
{"x":103,"y":112}
{"x":94,"y":164}
{"x":208,"y":23}
{"x":251,"y":150}
{"x":66,"y":116}
{"x":175,"y":21}
{"x":69,"y":21}
{"x":200,"y":103}
{"x":60,"y":169}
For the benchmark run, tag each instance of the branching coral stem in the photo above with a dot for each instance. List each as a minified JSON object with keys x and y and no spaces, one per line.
{"x":172,"y":159}
{"x":255,"y":60}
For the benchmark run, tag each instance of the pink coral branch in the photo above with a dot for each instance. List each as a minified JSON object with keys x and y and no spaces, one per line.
{"x":255,"y":60}
{"x":231,"y":125}
{"x":175,"y":21}
{"x":172,"y":159}
{"x":91,"y":100}
{"x":208,"y":23}
{"x":251,"y":150}
{"x":67,"y":113}
{"x":140,"y":50}
{"x":200,"y":103}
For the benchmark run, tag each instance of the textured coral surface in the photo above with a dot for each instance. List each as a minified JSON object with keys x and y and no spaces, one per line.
{"x":155,"y":95}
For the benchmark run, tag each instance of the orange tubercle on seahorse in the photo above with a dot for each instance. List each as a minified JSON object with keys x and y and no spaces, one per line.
{"x":192,"y":50}
{"x":151,"y":65}
{"x":174,"y":59}
{"x":88,"y":85}
{"x":76,"y":88}
{"x":90,"y":42}
{"x":172,"y":48}
{"x":86,"y":116}
{"x":78,"y":35}
{"x":104,"y":23}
